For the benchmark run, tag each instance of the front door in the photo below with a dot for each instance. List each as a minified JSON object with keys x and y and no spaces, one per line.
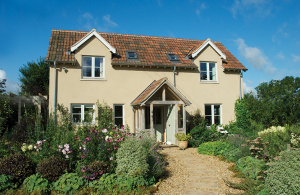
{"x":170,"y":123}
{"x":158,"y":123}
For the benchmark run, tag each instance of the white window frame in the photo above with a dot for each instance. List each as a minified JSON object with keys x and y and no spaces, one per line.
{"x":82,"y":112}
{"x":207,"y":72}
{"x":212,"y":106}
{"x":93,"y":68}
{"x":123,"y":113}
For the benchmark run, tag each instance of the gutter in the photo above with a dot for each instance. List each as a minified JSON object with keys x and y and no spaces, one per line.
{"x":240,"y":75}
{"x":174,"y":76}
{"x":55,"y":83}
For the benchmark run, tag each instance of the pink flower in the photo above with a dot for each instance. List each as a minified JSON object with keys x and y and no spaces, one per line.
{"x":111,"y":158}
{"x":83,"y":156}
{"x":35,"y":147}
{"x":77,"y":137}
{"x":44,"y":140}
{"x":87,"y":138}
{"x":37,"y":150}
{"x":60,"y":146}
{"x":108,"y":149}
{"x":63,"y":151}
{"x":115,"y":147}
{"x":82,"y":170}
{"x":104,"y":130}
{"x":92,"y":178}
{"x":67,"y":156}
{"x":66,"y":146}
{"x":101,"y":173}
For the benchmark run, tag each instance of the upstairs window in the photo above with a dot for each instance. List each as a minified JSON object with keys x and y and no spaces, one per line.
{"x":92,"y":67}
{"x":208,"y":71}
{"x":173,"y":58}
{"x":131,"y":56}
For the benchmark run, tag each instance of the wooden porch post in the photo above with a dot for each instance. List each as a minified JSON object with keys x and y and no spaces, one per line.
{"x":151,"y":119}
{"x":164,"y":94}
{"x":176,"y":121}
{"x":143,"y":118}
{"x":184,"y":118}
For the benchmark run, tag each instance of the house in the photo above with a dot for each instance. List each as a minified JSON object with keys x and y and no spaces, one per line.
{"x":152,"y":83}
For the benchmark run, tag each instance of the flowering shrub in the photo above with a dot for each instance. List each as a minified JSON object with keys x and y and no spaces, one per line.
{"x":273,"y":129}
{"x":99,"y":145}
{"x":295,"y":140}
{"x":156,"y":162}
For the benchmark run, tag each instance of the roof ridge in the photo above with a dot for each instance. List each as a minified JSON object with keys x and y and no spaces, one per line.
{"x":149,"y":36}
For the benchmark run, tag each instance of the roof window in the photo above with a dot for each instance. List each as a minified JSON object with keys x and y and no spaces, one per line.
{"x":131,"y":56}
{"x":173,"y":57}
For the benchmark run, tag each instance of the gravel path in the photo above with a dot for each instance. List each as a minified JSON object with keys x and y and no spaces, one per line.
{"x":189,"y":173}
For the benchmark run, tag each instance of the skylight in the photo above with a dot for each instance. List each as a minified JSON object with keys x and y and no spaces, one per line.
{"x":131,"y":56}
{"x":173,"y":57}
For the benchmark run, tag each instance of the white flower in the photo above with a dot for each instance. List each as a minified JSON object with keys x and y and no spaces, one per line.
{"x":111,"y":158}
{"x":30,"y":147}
{"x":66,"y":146}
{"x":63,"y":151}
{"x":104,"y":130}
{"x":60,"y":146}
{"x":80,"y":148}
{"x":34,"y":147}
{"x":67,"y":156}
{"x":23,"y":148}
{"x":39,"y":142}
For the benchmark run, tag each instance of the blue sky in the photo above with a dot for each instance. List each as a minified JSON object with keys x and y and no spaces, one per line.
{"x":262,"y":34}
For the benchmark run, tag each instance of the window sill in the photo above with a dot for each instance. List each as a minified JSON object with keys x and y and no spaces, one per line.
{"x":93,"y":79}
{"x":210,"y":82}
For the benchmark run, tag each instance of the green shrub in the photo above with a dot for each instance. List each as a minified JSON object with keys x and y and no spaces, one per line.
{"x":213,"y":148}
{"x":284,"y":175}
{"x":69,"y":183}
{"x":183,"y":137}
{"x":114,"y":184}
{"x":250,"y":166}
{"x":35,"y":183}
{"x":201,"y":134}
{"x":52,"y":168}
{"x":96,"y":169}
{"x":156,"y":162}
{"x":132,"y":158}
{"x":238,"y":147}
{"x":5,"y":182}
{"x":18,"y":166}
{"x":148,"y":141}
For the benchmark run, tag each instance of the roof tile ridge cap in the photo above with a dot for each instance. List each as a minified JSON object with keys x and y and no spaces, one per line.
{"x":76,"y":31}
{"x":149,"y":36}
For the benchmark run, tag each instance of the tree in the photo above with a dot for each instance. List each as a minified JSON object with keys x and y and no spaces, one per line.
{"x":2,"y":85}
{"x":34,"y":77}
{"x":277,"y":102}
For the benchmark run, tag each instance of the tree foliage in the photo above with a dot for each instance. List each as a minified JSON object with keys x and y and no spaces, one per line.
{"x":2,"y":85}
{"x":276,"y":103}
{"x":34,"y":77}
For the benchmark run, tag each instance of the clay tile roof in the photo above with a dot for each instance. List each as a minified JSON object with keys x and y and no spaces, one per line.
{"x":148,"y":91}
{"x":151,"y":50}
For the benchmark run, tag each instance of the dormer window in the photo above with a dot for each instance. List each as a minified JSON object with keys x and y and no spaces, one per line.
{"x":131,"y":56}
{"x":173,"y":57}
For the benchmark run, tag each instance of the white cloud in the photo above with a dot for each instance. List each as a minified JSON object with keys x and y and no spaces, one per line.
{"x":280,"y":55}
{"x":247,"y":88}
{"x":109,"y":22}
{"x":201,"y":8}
{"x":296,"y":58}
{"x":255,"y":56}
{"x":258,"y":8}
{"x":281,"y":30}
{"x":10,"y":85}
{"x":88,"y":16}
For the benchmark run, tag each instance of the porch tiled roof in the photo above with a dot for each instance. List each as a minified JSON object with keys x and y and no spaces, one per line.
{"x":148,"y":91}
{"x":151,"y":50}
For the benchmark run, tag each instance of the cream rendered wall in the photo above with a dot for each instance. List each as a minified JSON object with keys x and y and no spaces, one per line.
{"x":123,"y":84}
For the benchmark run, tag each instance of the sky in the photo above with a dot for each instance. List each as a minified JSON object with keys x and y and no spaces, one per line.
{"x":262,"y":34}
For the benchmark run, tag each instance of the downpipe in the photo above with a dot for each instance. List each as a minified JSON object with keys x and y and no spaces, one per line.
{"x":174,"y":76}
